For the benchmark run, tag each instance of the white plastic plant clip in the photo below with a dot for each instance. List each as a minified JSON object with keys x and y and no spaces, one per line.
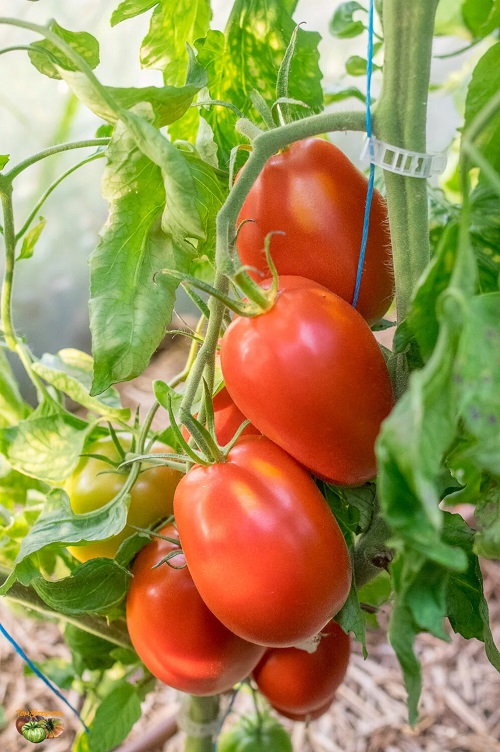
{"x":402,"y":161}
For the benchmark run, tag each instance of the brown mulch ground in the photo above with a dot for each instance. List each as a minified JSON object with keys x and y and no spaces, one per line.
{"x":460,"y":708}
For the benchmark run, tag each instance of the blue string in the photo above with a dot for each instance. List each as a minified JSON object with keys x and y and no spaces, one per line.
{"x":42,"y":676}
{"x":224,"y":717}
{"x":371,"y":178}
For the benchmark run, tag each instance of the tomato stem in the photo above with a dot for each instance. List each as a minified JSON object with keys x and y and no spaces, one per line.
{"x":202,"y":710}
{"x":400,"y":120}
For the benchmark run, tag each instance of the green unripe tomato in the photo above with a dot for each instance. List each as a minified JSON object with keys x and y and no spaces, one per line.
{"x":255,"y":735}
{"x":34,"y":732}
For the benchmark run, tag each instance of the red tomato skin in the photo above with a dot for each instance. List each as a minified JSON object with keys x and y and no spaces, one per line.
{"x":310,"y":375}
{"x":313,"y":193}
{"x":175,"y":635}
{"x":227,"y":419}
{"x":306,"y":717}
{"x":262,"y":545}
{"x":300,"y":683}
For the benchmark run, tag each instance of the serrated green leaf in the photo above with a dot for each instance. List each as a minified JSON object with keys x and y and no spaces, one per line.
{"x":351,"y":619}
{"x":247,"y":56}
{"x":70,"y":371}
{"x":31,"y":239}
{"x":88,"y":651}
{"x":130,"y":307}
{"x":58,"y":524}
{"x":12,"y":406}
{"x":93,"y":587}
{"x":343,"y":25}
{"x":449,"y":20}
{"x":173,"y":24}
{"x":485,"y":235}
{"x":487,"y":515}
{"x":482,"y":17}
{"x":131,"y":8}
{"x":114,"y":718}
{"x":401,"y":634}
{"x":466,"y":605}
{"x":169,"y":103}
{"x":484,"y":85}
{"x":82,"y":42}
{"x":46,"y":445}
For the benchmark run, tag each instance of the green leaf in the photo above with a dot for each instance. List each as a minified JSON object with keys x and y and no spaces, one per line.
{"x":59,"y":671}
{"x":247,"y":56}
{"x":484,"y":85}
{"x":88,"y":651}
{"x":94,"y":587}
{"x":174,"y":24}
{"x":343,"y":25}
{"x":449,"y":20}
{"x":351,"y":619}
{"x":70,"y":371}
{"x":338,"y":96}
{"x":169,"y":103}
{"x":131,"y":8}
{"x":4,"y":158}
{"x":482,"y":17}
{"x":356,"y":66}
{"x":83,"y":43}
{"x":114,"y":718}
{"x":466,"y":605}
{"x":12,"y":406}
{"x":487,"y":515}
{"x":477,"y":376}
{"x":46,"y":445}
{"x":58,"y":524}
{"x":130,"y":307}
{"x":194,"y":193}
{"x":31,"y":239}
{"x":422,"y":318}
{"x":14,"y":486}
{"x":485,"y":235}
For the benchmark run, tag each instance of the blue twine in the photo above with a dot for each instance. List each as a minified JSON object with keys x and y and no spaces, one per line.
{"x":224,"y":717}
{"x":41,"y":675}
{"x":371,"y":178}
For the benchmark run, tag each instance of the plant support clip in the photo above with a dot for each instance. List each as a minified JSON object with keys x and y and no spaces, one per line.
{"x":413,"y":164}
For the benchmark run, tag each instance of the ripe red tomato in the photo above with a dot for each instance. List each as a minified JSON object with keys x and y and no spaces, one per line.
{"x":313,"y":193}
{"x":92,"y":485}
{"x":175,"y":635}
{"x":227,"y":419}
{"x":309,"y":374}
{"x":262,"y":545}
{"x":299,"y":683}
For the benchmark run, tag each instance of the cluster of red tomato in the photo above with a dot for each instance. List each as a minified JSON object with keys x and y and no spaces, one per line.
{"x":267,"y":565}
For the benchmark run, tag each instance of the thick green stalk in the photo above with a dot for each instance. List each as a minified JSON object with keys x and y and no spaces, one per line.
{"x":202,"y":710}
{"x":400,"y":120}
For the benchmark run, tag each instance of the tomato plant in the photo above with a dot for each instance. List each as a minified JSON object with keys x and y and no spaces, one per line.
{"x":176,"y":636}
{"x":310,"y":375}
{"x":231,"y":517}
{"x":314,"y":195}
{"x":94,"y":483}
{"x":357,"y":450}
{"x":301,"y":682}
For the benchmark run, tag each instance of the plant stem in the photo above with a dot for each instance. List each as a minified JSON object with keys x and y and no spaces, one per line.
{"x":116,"y":632}
{"x":57,"y":149}
{"x":400,"y":120}
{"x":202,"y":710}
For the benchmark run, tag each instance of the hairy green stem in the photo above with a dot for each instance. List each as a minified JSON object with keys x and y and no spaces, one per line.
{"x":57,"y":149}
{"x":202,"y":710}
{"x":400,"y":120}
{"x":115,"y":632}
